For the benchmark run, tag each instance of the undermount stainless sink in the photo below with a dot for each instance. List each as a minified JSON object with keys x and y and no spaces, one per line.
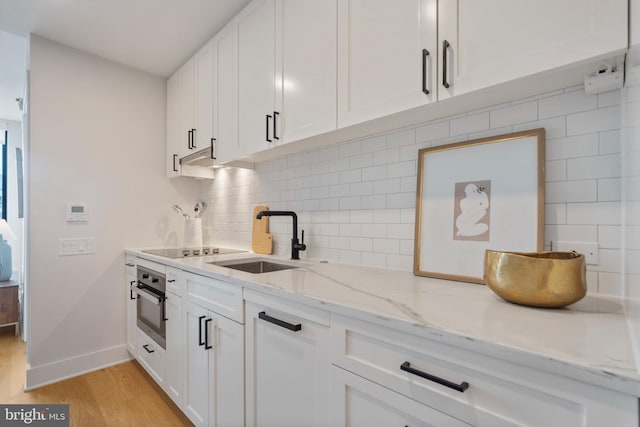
{"x":254,"y":265}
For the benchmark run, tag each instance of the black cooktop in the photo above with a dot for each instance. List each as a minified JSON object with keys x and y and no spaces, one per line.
{"x":187,"y":252}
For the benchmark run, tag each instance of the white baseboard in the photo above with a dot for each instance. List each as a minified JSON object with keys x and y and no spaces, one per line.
{"x":39,"y":376}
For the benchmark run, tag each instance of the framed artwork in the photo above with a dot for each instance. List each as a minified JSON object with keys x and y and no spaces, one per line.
{"x":476,"y":195}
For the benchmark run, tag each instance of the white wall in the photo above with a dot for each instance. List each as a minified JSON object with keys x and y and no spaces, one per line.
{"x":97,"y":135}
{"x":356,"y":199}
{"x":15,"y":141}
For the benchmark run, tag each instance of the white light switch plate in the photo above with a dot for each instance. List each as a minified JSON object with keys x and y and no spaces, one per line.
{"x":86,"y":245}
{"x":588,"y":249}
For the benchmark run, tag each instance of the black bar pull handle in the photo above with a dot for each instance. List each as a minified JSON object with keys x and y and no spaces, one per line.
{"x":267,"y":134}
{"x":295,"y":328}
{"x":213,"y":148}
{"x":131,"y":290}
{"x":189,"y":139}
{"x":275,"y":124}
{"x":406,"y":366}
{"x":193,"y":138}
{"x":175,"y":157}
{"x":445,"y":47}
{"x":146,"y":347}
{"x":200,"y":342}
{"x":164,"y":309}
{"x":206,"y":335}
{"x":425,"y":53}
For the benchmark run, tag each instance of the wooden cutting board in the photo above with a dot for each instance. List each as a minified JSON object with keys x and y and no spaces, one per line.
{"x":261,"y":240}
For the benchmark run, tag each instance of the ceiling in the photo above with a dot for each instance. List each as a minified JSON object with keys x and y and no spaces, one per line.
{"x":156,"y":36}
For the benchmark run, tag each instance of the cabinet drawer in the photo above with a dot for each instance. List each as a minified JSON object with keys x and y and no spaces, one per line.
{"x":218,"y":296}
{"x":358,"y":402}
{"x":151,"y":356}
{"x":175,"y":281}
{"x":498,"y":393}
{"x":130,"y":262}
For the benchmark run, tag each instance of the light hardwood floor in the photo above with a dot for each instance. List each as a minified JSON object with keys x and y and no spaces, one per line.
{"x":121,"y":395}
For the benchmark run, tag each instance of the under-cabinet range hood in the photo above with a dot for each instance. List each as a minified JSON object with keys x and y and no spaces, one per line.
{"x":205,"y":157}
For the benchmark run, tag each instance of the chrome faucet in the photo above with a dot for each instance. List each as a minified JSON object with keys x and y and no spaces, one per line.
{"x":296,"y":246}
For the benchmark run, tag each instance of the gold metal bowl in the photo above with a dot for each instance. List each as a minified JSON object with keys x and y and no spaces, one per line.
{"x":539,"y":279}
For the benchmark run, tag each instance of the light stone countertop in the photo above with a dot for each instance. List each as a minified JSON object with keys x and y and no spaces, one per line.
{"x":588,"y":341}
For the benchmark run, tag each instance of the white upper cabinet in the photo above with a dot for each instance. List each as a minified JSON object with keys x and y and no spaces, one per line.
{"x":286,"y":72}
{"x":305,"y":68}
{"x":224,"y":98}
{"x":255,"y":35}
{"x":386,"y":57}
{"x":493,"y":41}
{"x":187,"y":113}
{"x":204,"y":97}
{"x":173,"y":125}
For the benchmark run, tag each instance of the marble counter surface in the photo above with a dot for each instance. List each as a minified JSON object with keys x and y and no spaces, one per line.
{"x":588,"y":341}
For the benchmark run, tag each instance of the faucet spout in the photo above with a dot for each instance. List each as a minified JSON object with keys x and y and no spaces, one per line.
{"x":296,"y":246}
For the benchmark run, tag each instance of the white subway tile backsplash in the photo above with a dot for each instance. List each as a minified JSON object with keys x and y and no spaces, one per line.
{"x":555,"y":127}
{"x":567,"y":103}
{"x":519,"y":113}
{"x":401,"y":200}
{"x":432,"y":131}
{"x":610,"y":236}
{"x":356,"y":199}
{"x":555,"y":213}
{"x":571,"y":191}
{"x":604,"y":213}
{"x":386,"y":157}
{"x":556,"y":170}
{"x":400,"y":169}
{"x":609,"y":190}
{"x":594,"y":121}
{"x":401,"y":138}
{"x":377,"y":201}
{"x":374,"y":173}
{"x":468,"y":124}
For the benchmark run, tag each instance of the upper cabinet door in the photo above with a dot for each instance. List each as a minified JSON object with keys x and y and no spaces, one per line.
{"x":255,"y":35}
{"x":173,"y":125}
{"x":204,"y":97}
{"x":494,"y":41}
{"x":187,"y":108}
{"x":305,"y":68}
{"x":225,"y":84}
{"x":382,"y":64}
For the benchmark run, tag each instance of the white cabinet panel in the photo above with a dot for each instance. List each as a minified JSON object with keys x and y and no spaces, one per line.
{"x":187,"y":108}
{"x":173,"y":125}
{"x":382,"y":68}
{"x":255,"y":35}
{"x":204,"y":97}
{"x":287,"y":370}
{"x":306,"y":68}
{"x":493,"y":42}
{"x":225,"y":88}
{"x":174,"y":348}
{"x":214,"y":392}
{"x":132,"y":299}
{"x":358,"y":402}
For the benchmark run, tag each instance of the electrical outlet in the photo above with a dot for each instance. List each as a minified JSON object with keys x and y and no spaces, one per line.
{"x":588,"y":249}
{"x":79,"y":246}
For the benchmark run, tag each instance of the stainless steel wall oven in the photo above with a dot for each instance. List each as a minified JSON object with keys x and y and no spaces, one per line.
{"x":152,"y":305}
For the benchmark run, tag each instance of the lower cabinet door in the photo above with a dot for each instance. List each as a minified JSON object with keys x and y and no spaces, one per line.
{"x":174,"y":348}
{"x":359,"y":402}
{"x":214,"y":377}
{"x":196,"y":393}
{"x":132,"y":298}
{"x":151,"y":356}
{"x":287,"y":370}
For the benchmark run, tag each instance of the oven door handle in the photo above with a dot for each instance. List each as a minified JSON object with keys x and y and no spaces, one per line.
{"x":144,"y":293}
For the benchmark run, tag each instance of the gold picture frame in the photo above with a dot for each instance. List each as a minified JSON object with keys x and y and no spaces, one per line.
{"x":475,"y":195}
